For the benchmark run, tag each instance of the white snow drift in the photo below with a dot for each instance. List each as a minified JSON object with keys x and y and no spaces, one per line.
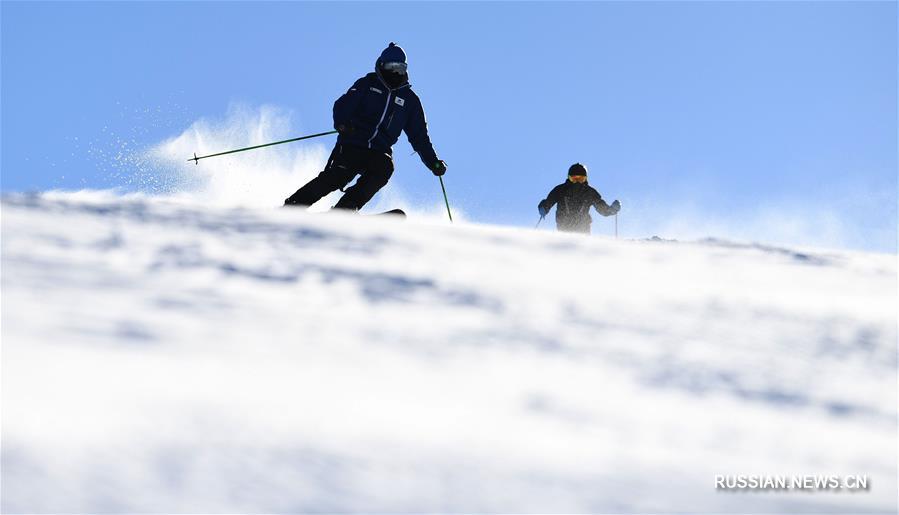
{"x":162,"y":357}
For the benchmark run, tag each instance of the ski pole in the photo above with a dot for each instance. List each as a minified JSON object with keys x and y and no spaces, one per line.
{"x":196,"y":159}
{"x":445,"y":199}
{"x":538,"y":222}
{"x":616,"y":226}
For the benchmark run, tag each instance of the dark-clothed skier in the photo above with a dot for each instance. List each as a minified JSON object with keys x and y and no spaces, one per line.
{"x":369,"y":118}
{"x":573,"y":199}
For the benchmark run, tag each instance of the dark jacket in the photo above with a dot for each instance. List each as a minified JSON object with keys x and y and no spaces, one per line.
{"x":574,"y":201}
{"x":378,"y":114}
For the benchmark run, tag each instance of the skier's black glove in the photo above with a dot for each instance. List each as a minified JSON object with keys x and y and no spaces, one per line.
{"x":345,"y":128}
{"x":616,"y":207}
{"x":438,"y":167}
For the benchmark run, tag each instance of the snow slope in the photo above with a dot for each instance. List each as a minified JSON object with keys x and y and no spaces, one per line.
{"x":170,"y":357}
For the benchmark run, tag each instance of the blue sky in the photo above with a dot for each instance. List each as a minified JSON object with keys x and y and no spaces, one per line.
{"x":764,"y":120}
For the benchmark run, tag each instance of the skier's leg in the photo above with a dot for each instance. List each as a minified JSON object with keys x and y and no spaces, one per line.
{"x":341,"y":168}
{"x":588,"y":226}
{"x":373,"y":178}
{"x":584,"y":227}
{"x":573,"y":224}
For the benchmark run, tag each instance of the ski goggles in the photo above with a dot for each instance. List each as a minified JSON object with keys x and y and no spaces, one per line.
{"x":577,"y":178}
{"x":395,"y":67}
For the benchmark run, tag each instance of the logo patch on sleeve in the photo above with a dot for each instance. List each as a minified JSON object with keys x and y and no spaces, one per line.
{"x":399,"y":101}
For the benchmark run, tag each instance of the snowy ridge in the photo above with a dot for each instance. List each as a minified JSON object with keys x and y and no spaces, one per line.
{"x":171,"y":357}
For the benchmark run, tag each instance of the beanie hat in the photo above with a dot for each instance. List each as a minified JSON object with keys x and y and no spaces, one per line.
{"x":577,"y":169}
{"x":392,"y":54}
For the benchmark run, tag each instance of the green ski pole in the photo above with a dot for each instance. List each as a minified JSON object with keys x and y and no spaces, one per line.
{"x":445,"y":199}
{"x":196,"y":159}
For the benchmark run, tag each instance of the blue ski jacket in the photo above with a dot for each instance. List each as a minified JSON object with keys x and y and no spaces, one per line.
{"x":378,"y":114}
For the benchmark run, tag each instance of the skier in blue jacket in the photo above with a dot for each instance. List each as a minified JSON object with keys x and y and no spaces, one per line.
{"x":369,"y":118}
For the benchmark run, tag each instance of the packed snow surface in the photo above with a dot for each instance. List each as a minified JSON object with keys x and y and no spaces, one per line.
{"x":170,"y":357}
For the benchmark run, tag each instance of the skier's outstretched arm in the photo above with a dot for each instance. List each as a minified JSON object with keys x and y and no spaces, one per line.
{"x":552,"y":199}
{"x":417,"y":131}
{"x":605,"y":209}
{"x":345,"y":106}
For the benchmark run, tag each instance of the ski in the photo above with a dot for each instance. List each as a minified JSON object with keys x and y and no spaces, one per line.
{"x":392,"y":212}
